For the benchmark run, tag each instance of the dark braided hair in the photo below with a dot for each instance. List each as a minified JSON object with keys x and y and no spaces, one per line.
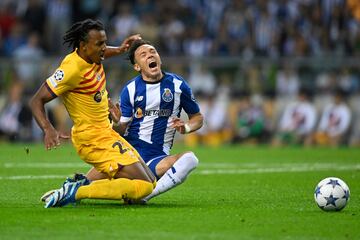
{"x":79,"y":32}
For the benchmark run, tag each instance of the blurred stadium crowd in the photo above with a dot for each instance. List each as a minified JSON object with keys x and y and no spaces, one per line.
{"x":264,"y":71}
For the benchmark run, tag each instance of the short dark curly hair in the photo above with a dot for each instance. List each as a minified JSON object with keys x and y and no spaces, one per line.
{"x":135,"y":45}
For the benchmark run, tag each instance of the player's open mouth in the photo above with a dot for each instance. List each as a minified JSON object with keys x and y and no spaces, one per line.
{"x":153,"y":65}
{"x":102,"y":56}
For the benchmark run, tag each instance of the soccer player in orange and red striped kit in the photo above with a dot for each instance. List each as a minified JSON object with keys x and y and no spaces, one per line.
{"x":80,"y":83}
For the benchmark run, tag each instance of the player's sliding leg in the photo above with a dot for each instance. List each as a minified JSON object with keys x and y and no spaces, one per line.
{"x":175,"y":175}
{"x":114,"y":189}
{"x":93,"y":174}
{"x":77,"y":177}
{"x":130,"y":182}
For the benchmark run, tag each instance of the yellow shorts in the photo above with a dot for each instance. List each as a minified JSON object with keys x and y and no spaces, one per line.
{"x":104,"y":149}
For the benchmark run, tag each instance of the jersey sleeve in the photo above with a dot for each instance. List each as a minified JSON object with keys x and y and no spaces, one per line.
{"x":61,"y":81}
{"x":125,"y":106}
{"x":187,"y":99}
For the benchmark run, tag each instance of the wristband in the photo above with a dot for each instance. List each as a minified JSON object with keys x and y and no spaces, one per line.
{"x":187,"y":128}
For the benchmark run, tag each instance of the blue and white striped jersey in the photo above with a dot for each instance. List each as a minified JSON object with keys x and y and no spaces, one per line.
{"x":149,"y":107}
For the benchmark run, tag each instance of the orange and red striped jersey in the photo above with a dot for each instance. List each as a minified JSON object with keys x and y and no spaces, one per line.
{"x":82,"y":88}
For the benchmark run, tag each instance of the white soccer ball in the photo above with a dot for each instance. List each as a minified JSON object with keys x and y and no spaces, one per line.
{"x":332,"y":194}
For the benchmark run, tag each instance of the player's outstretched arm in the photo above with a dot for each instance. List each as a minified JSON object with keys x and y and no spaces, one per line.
{"x":114,"y":110}
{"x":114,"y":51}
{"x":37,"y":103}
{"x":195,"y":122}
{"x":115,"y":114}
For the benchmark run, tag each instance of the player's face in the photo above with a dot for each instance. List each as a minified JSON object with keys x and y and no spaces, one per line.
{"x":148,"y":62}
{"x":94,"y":48}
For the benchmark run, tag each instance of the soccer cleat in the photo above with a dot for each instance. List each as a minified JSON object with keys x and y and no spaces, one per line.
{"x":63,"y":196}
{"x":80,"y":177}
{"x":46,"y":195}
{"x":77,"y":177}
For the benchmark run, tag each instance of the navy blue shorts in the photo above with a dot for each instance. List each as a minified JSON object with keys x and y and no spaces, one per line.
{"x":153,"y":163}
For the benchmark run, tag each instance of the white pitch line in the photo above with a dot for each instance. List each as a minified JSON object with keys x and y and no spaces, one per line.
{"x":45,"y":165}
{"x":278,"y":170}
{"x":217,"y":165}
{"x":80,"y":164}
{"x":32,"y":177}
{"x":232,"y":170}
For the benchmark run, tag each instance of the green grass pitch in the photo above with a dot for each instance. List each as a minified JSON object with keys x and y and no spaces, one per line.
{"x":237,"y":192}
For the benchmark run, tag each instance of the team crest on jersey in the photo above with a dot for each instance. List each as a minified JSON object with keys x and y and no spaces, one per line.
{"x":139,"y":113}
{"x":98,"y":96}
{"x":98,"y":77}
{"x":59,"y":75}
{"x":167,"y":96}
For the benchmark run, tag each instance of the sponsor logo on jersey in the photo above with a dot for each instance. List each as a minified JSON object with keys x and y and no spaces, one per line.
{"x":159,"y":112}
{"x":139,"y":113}
{"x":139,"y":98}
{"x":167,"y":96}
{"x":98,"y":96}
{"x":59,"y":75}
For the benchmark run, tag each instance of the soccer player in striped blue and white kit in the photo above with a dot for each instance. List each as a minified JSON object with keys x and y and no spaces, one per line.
{"x":150,"y":109}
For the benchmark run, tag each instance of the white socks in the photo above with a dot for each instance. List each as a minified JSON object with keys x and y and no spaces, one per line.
{"x":175,"y":175}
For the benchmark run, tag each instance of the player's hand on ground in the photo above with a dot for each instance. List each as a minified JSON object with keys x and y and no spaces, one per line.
{"x":114,"y":110}
{"x":52,"y":138}
{"x":125,"y":45}
{"x":178,"y":124}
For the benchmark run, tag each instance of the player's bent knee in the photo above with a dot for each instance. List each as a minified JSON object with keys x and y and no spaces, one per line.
{"x":193,"y":161}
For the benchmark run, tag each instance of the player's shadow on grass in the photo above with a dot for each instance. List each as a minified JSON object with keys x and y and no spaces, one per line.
{"x":133,"y":206}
